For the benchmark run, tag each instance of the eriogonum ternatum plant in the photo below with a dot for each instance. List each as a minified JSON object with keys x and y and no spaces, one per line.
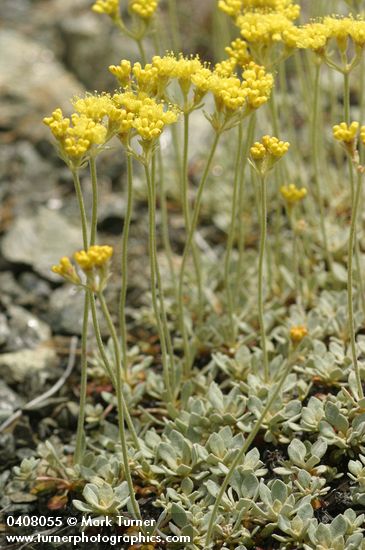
{"x":255,"y":327}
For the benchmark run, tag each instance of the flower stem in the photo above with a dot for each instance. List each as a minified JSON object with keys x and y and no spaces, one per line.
{"x":83,"y":381}
{"x":186,"y":212}
{"x":188,"y":244}
{"x":244,"y":450}
{"x":109,"y":369}
{"x":232,"y":231}
{"x":263,"y":236}
{"x":120,"y":400}
{"x":156,"y":283}
{"x":352,"y":245}
{"x":124,"y":266}
{"x":314,"y":140}
{"x":94,"y":214}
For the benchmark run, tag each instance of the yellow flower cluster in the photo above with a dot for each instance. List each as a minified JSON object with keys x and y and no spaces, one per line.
{"x":346,"y":133}
{"x":151,"y":120}
{"x":66,"y":270}
{"x":109,"y":7}
{"x":292,"y":194}
{"x":297,"y":334}
{"x":94,"y":257}
{"x":122,"y":72}
{"x":269,"y":146}
{"x":77,"y":138}
{"x":315,"y":36}
{"x":258,"y":28}
{"x":143,"y":8}
{"x":238,"y":52}
{"x":234,"y":8}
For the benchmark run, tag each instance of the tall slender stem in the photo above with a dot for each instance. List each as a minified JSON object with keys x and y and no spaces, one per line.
{"x":83,"y":381}
{"x":352,"y":241}
{"x":155,"y":283}
{"x":174,"y":19}
{"x":241,"y":202}
{"x":109,"y":369}
{"x":232,"y":231}
{"x":94,"y":213}
{"x":314,"y":139}
{"x":243,"y":450}
{"x":124,"y":265}
{"x":263,"y":234}
{"x":119,"y":391}
{"x":186,"y":212}
{"x":188,"y":244}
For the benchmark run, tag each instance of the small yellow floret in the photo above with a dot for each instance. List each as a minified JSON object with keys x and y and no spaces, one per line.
{"x":151,"y":120}
{"x":344,"y":132}
{"x":66,"y":270}
{"x":292,"y":194}
{"x":122,"y":72}
{"x":297,"y":333}
{"x":143,"y":8}
{"x":95,"y":256}
{"x":275,"y":147}
{"x":109,"y":7}
{"x":258,"y":151}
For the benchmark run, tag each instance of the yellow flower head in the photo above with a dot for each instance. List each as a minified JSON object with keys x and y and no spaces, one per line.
{"x":143,"y":8}
{"x":297,"y":334}
{"x":94,"y":257}
{"x":122,"y":72}
{"x":146,"y":78}
{"x":346,"y":133}
{"x":362,"y":135}
{"x":267,"y":28}
{"x":238,"y":51}
{"x":258,"y":85}
{"x":236,"y":7}
{"x":151,"y":120}
{"x":265,"y":153}
{"x":66,"y":270}
{"x":109,"y":7}
{"x":292,"y":194}
{"x":75,"y":136}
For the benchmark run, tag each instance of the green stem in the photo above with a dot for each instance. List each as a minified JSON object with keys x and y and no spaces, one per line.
{"x":186,"y":212}
{"x":241,"y":202}
{"x":314,"y":125}
{"x":83,"y":382}
{"x":188,"y":244}
{"x":296,"y":269}
{"x":109,"y":370}
{"x":352,"y":241}
{"x":244,"y":450}
{"x":124,"y":266}
{"x":120,"y":400}
{"x":165,"y":218}
{"x":232,"y":231}
{"x":174,"y":21}
{"x":263,"y":235}
{"x":155,"y":282}
{"x":94,"y":214}
{"x":141,"y":50}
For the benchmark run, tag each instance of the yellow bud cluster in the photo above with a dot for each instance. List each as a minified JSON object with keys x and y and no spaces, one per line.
{"x":94,"y":257}
{"x":151,"y":120}
{"x":146,"y":78}
{"x":346,"y":133}
{"x":109,"y":7}
{"x":66,"y":270}
{"x":143,"y":8}
{"x":122,"y":72}
{"x":258,"y":85}
{"x":263,"y":28}
{"x":238,"y":51}
{"x":76,"y":139}
{"x":316,"y":35}
{"x":268,"y":151}
{"x":297,"y":334}
{"x":236,"y":7}
{"x":293,"y":194}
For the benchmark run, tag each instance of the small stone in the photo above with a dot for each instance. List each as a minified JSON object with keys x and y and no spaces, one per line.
{"x":9,"y":401}
{"x":36,"y":241}
{"x":4,"y":330}
{"x":16,"y":366}
{"x":27,"y":331}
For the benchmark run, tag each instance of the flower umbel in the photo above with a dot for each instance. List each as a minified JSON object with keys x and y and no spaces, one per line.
{"x":292,"y":194}
{"x":346,"y":133}
{"x":66,"y":270}
{"x":109,"y":7}
{"x":297,"y":334}
{"x":265,"y":153}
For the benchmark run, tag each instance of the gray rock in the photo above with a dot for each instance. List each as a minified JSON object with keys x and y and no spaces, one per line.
{"x":41,"y":241}
{"x":4,"y":330}
{"x":66,"y":308}
{"x":26,"y":330}
{"x":32,"y":84}
{"x":15,"y":366}
{"x":9,"y":401}
{"x":66,"y":311}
